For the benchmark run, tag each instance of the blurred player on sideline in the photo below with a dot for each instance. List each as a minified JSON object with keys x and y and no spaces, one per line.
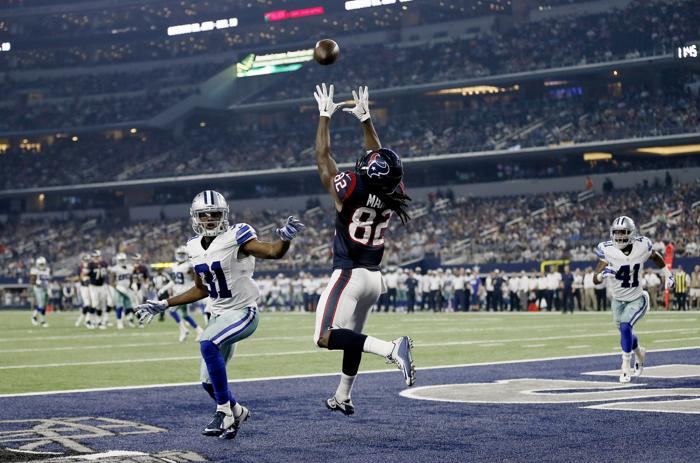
{"x":97,"y":272}
{"x":182,"y":276}
{"x":365,"y":200}
{"x":120,"y":278}
{"x":39,"y":278}
{"x":621,"y":262}
{"x":223,"y":258}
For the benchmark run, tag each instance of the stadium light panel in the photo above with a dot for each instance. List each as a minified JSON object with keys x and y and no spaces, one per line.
{"x":475,"y":90}
{"x":670,"y":150}
{"x":597,"y":156}
{"x":273,"y":63}
{"x":5,"y":46}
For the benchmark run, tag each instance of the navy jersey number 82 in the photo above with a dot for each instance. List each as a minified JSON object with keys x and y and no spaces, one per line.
{"x":359,"y":226}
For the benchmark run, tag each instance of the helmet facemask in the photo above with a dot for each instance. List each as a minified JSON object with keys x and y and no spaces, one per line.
{"x":211,"y":222}
{"x":209,"y":213}
{"x":181,"y":255}
{"x":623,"y":232}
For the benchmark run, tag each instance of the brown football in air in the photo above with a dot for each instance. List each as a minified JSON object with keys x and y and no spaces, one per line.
{"x":326,"y":52}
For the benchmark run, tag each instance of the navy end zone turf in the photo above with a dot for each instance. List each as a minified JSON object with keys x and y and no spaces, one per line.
{"x":291,"y":424}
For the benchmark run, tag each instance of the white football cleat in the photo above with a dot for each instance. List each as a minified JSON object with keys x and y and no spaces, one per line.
{"x":44,"y":324}
{"x":35,"y":321}
{"x":626,"y":369}
{"x":639,"y":362}
{"x":120,"y":325}
{"x":401,"y":357}
{"x":183,"y":335}
{"x":79,"y":321}
{"x":199,"y":334}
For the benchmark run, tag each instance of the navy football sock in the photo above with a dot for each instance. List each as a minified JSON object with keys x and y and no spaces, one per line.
{"x":119,"y":312}
{"x":191,"y":321}
{"x":345,"y":339}
{"x":635,"y":343}
{"x":626,"y":337}
{"x":175,"y":316}
{"x":216,"y":366}
{"x":351,"y":362}
{"x":210,"y":390}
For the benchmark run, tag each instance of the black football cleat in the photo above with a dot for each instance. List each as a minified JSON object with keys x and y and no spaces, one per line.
{"x":216,"y":426}
{"x":232,"y":431}
{"x":346,"y":407}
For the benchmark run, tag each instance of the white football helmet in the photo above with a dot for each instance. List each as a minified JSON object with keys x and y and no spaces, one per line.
{"x":181,"y":254}
{"x":137,"y":258}
{"x":85,"y":257}
{"x":209,"y":212}
{"x":41,"y":263}
{"x":622,"y":232}
{"x":120,"y":258}
{"x":97,"y":254}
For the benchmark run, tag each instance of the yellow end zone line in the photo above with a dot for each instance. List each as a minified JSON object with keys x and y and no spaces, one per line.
{"x":321,"y":375}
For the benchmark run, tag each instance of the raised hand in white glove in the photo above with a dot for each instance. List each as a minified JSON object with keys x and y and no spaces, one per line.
{"x":146,"y":312}
{"x":361,"y":108}
{"x":324,"y":98}
{"x":290,"y":229}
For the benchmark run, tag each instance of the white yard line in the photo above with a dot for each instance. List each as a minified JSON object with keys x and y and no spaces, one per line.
{"x":482,"y":342}
{"x":319,"y":375}
{"x":586,"y":346}
{"x":273,"y":338}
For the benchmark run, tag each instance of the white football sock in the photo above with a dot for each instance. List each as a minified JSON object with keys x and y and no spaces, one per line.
{"x":377,"y":346}
{"x":226,"y":408}
{"x":237,"y":410}
{"x":637,"y":351}
{"x":345,"y":387}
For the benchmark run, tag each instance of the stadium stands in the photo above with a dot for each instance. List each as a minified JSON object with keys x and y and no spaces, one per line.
{"x":477,"y":123}
{"x":551,"y":226}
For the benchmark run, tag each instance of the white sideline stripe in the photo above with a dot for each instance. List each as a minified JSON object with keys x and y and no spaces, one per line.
{"x":534,"y":345}
{"x":578,"y":347}
{"x":481,"y":343}
{"x":321,"y":375}
{"x":551,"y":338}
{"x":101,"y":346}
{"x":678,"y":339}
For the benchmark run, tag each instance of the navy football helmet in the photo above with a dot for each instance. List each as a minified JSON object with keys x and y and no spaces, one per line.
{"x":381,"y":169}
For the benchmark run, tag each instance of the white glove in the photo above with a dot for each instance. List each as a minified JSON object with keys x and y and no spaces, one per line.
{"x":324,"y":98}
{"x":146,"y":311}
{"x":290,"y":229}
{"x":607,"y":272}
{"x":361,"y":109}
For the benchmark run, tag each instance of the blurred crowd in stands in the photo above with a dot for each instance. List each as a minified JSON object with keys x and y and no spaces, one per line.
{"x":642,"y":28}
{"x":455,"y":230}
{"x":479,"y":123}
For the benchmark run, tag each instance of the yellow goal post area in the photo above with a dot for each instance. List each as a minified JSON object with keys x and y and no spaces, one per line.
{"x":549,"y":263}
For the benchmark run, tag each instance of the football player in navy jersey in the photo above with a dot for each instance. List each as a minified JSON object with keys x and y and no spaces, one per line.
{"x":365,"y":200}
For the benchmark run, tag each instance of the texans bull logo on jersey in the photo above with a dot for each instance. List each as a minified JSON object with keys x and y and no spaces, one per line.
{"x":377,"y":166}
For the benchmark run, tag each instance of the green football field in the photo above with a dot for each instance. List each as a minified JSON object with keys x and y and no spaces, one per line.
{"x":64,"y":357}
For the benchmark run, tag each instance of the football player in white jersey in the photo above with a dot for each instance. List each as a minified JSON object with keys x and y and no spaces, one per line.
{"x":223,"y":258}
{"x":120,"y":279}
{"x":40,"y":277}
{"x":621,"y":263}
{"x":182,"y":276}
